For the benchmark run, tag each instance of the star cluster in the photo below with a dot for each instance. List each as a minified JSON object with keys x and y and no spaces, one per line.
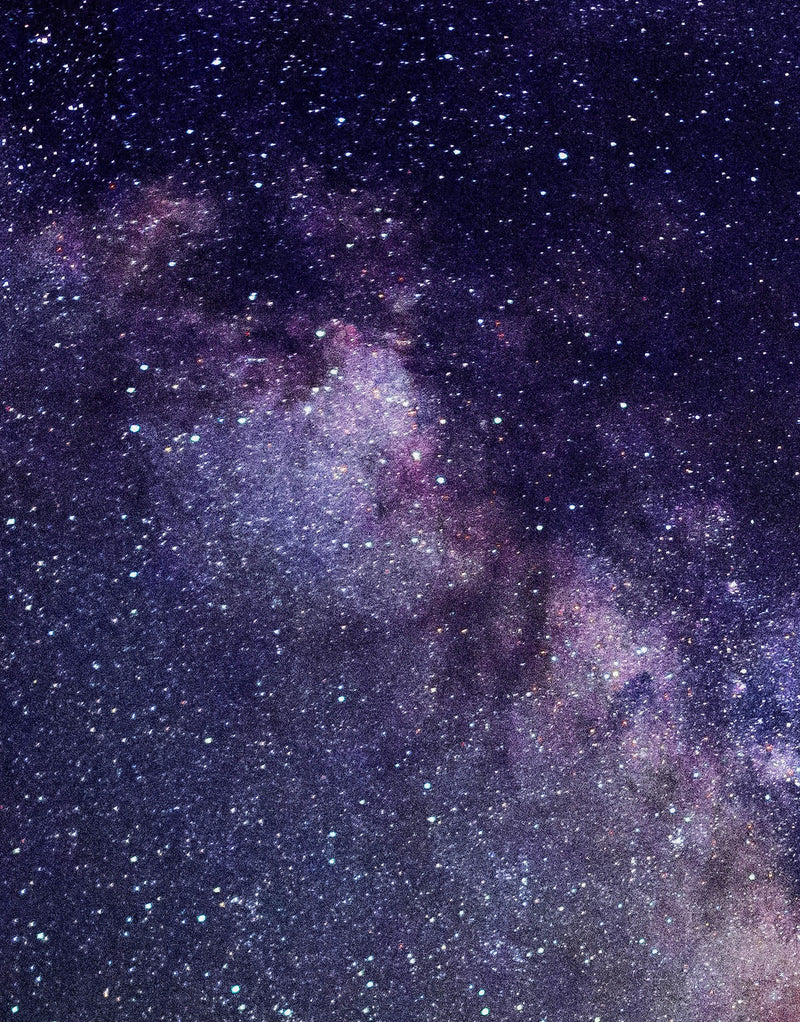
{"x":400,"y":455}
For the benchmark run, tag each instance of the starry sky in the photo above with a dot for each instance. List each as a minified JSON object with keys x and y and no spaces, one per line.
{"x":399,"y":464}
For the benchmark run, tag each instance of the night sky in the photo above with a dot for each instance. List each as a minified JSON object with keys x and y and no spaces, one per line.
{"x":400,"y":534}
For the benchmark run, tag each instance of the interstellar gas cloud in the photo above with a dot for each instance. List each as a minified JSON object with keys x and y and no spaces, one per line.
{"x":400,"y":461}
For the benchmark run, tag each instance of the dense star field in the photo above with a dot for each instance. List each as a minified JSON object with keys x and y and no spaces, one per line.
{"x":399,"y":459}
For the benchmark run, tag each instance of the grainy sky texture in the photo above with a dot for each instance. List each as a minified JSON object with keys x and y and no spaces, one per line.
{"x":400,"y":537}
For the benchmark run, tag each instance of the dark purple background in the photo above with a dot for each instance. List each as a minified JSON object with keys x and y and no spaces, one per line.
{"x":400,"y":528}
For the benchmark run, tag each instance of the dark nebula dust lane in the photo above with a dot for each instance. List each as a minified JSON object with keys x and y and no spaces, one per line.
{"x":399,"y":462}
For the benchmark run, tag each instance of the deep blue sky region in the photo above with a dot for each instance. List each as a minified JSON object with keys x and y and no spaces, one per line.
{"x":400,"y":537}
